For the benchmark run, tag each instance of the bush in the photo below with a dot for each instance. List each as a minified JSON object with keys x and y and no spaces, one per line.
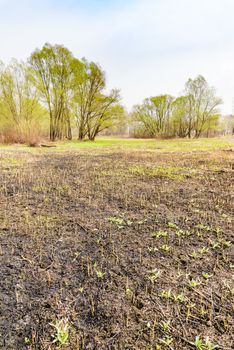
{"x":30,"y":136}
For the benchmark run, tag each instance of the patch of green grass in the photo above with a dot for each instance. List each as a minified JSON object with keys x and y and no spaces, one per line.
{"x":108,"y":144}
{"x":173,"y":173}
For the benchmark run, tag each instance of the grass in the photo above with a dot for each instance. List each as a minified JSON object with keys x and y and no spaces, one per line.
{"x":117,"y":244}
{"x":175,"y":145}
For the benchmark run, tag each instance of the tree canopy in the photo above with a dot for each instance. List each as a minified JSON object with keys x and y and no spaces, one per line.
{"x":56,"y":91}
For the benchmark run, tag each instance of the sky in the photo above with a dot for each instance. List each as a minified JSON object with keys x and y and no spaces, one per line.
{"x":146,"y":47}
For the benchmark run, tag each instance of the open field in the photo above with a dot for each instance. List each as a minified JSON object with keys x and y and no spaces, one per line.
{"x":126,"y":243}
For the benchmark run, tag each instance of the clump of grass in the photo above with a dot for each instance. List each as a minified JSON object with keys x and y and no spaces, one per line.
{"x":62,"y":332}
{"x":203,"y":345}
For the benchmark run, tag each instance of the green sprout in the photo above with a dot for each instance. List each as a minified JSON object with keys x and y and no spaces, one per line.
{"x":166,"y":294}
{"x":166,"y":248}
{"x":172,"y":225}
{"x":206,"y":275}
{"x":227,"y":243}
{"x":198,"y":343}
{"x":193,"y":283}
{"x":154,"y":275}
{"x":159,"y":234}
{"x":179,"y":297}
{"x":207,"y":345}
{"x":62,"y":331}
{"x":100,"y":274}
{"x":165,"y":325}
{"x":167,"y":341}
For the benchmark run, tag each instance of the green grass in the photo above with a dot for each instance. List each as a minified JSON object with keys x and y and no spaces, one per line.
{"x":111,"y":144}
{"x":174,"y":173}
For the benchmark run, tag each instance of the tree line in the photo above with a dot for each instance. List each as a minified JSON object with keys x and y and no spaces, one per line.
{"x":194,"y":113}
{"x":58,"y":92}
{"x":60,"y":89}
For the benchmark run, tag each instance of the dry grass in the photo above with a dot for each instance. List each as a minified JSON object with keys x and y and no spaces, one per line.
{"x":122,"y":246}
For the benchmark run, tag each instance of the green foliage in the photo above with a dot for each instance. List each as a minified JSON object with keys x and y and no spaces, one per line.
{"x":52,"y":74}
{"x":22,"y":117}
{"x":95,"y":110}
{"x":189,"y":115}
{"x":62,"y":332}
{"x":204,"y":345}
{"x":154,"y":114}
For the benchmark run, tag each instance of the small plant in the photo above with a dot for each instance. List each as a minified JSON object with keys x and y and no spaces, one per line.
{"x":218,"y":232}
{"x":195,"y":254}
{"x":172,"y":225}
{"x":206,"y":345}
{"x":204,"y":250}
{"x":167,"y":340}
{"x":166,"y":294}
{"x":203,"y":312}
{"x":165,"y":325}
{"x":159,"y":234}
{"x":214,"y":244}
{"x":206,"y":275}
{"x":227,"y":243}
{"x":154,"y":275}
{"x":100,"y":274}
{"x":152,"y":249}
{"x":198,"y":343}
{"x":117,"y":221}
{"x":179,"y":297}
{"x":141,"y":222}
{"x":166,"y":248}
{"x":193,"y":283}
{"x":180,"y":233}
{"x":62,"y":331}
{"x":189,"y":306}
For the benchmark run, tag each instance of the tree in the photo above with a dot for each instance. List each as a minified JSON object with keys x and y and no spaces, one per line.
{"x":182,"y":116}
{"x":94,"y":110}
{"x":19,"y":101}
{"x":107,"y":112}
{"x":52,"y":68}
{"x":154,"y":114}
{"x":204,"y":103}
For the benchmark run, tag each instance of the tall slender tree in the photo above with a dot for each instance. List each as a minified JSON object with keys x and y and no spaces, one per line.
{"x":53,"y":77}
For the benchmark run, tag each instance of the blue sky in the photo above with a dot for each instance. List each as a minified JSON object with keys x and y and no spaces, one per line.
{"x":146,"y":47}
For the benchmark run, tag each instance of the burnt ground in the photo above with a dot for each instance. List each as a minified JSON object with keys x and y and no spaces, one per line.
{"x":132,"y":250}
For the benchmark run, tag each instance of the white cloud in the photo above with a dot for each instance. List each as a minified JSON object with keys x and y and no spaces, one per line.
{"x":146,"y":47}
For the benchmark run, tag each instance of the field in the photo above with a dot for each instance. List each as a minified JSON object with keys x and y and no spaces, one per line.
{"x":116,"y":245}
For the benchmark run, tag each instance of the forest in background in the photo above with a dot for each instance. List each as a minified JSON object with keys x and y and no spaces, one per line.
{"x":55,"y":96}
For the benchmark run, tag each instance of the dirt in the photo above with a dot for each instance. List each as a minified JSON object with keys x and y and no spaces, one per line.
{"x":81,"y":241}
